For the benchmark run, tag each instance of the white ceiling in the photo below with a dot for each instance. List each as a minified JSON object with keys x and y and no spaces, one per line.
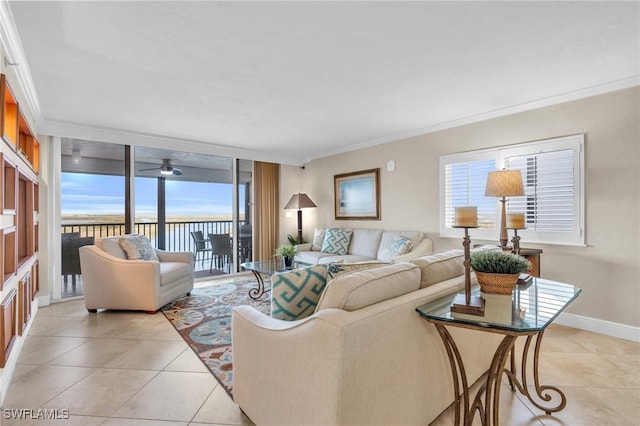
{"x":294,"y":81}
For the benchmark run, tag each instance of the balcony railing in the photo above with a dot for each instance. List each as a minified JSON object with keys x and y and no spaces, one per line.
{"x":177,"y":238}
{"x":177,"y":234}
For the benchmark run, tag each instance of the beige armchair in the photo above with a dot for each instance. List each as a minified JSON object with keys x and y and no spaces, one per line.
{"x":112,"y":281}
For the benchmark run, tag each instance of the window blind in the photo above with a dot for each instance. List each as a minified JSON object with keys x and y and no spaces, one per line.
{"x":549,"y":191}
{"x":553,"y":181}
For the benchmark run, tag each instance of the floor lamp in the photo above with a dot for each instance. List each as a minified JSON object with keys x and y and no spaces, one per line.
{"x":299,"y":201}
{"x":504,"y":183}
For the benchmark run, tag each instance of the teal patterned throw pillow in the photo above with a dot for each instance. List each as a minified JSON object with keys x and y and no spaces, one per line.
{"x":336,"y":241}
{"x":400,"y":245}
{"x":295,"y":294}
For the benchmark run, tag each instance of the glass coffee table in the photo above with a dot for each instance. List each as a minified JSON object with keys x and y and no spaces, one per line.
{"x":528,"y":312}
{"x":262,"y":268}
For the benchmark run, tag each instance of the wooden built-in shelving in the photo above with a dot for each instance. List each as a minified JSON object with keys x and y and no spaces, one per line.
{"x":24,"y":302}
{"x":8,"y":319}
{"x":9,"y":116}
{"x":35,"y":279}
{"x":19,"y":227}
{"x":24,"y":219}
{"x":10,"y":186}
{"x":10,"y":253}
{"x":28,"y":145}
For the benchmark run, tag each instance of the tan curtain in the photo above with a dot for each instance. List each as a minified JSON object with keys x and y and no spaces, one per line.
{"x":266,"y":178}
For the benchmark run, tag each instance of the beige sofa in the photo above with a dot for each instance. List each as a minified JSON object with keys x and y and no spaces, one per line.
{"x":111,"y":281}
{"x":365,"y":245}
{"x":365,"y":357}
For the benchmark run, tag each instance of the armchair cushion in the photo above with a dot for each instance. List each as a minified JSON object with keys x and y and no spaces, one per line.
{"x":295,"y":294}
{"x":363,"y":288}
{"x":173,"y":271}
{"x":137,"y":247}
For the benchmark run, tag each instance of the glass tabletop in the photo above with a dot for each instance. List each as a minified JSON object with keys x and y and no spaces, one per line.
{"x":267,"y":267}
{"x":531,"y":307}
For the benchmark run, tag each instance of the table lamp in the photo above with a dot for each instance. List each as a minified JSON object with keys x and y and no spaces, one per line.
{"x":299,"y":201}
{"x":504,"y":183}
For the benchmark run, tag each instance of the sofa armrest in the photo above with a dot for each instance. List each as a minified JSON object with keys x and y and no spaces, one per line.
{"x":309,"y":348}
{"x":175,"y":256}
{"x":303,"y":247}
{"x":424,"y":247}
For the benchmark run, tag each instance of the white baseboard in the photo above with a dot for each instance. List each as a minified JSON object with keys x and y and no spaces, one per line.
{"x":44,"y":300}
{"x":608,"y":328}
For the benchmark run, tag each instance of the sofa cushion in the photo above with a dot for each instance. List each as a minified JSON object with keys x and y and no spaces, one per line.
{"x":363,"y":288}
{"x":111,"y":246}
{"x":389,"y":237}
{"x":137,"y":247}
{"x":318,"y":239}
{"x":439,"y":266}
{"x":173,"y":271}
{"x":336,"y":241}
{"x":365,"y":242}
{"x":347,"y":258}
{"x":295,"y":294}
{"x":335,"y":269}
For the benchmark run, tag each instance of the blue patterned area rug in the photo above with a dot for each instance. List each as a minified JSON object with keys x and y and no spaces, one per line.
{"x":203,"y":319}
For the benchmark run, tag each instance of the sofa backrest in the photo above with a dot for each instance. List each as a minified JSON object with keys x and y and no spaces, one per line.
{"x":363,"y":288}
{"x":439,"y":266}
{"x":365,"y":242}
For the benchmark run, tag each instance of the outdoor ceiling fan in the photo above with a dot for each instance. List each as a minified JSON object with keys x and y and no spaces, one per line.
{"x":166,"y":168}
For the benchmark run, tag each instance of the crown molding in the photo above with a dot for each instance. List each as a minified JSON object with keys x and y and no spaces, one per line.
{"x":540,"y":103}
{"x":15,"y":58}
{"x":79,"y":131}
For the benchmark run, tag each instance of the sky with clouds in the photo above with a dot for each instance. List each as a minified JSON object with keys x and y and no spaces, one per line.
{"x":87,"y":194}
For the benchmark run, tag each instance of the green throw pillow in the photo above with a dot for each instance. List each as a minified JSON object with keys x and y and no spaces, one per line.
{"x":336,"y":241}
{"x":295,"y":294}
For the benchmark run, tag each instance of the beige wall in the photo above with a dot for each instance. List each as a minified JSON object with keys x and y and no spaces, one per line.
{"x":607,"y":269}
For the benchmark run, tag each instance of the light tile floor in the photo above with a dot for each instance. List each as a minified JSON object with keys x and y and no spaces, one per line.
{"x":134,"y":369}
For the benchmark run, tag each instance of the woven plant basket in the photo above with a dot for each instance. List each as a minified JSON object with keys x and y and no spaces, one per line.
{"x":491,"y":283}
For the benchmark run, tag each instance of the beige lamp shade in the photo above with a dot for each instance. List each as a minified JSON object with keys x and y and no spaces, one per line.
{"x":504,"y":183}
{"x":299,"y":201}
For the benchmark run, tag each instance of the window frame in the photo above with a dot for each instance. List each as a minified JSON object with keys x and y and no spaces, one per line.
{"x":500,"y":154}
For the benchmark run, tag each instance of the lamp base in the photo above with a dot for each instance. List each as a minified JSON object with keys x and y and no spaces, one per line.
{"x":475,"y":306}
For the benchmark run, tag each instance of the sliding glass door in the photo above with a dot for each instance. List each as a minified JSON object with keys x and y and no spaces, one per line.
{"x":180,"y":201}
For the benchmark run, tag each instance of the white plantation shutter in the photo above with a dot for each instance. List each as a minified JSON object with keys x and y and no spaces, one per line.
{"x":465,"y":187}
{"x":548,"y":186}
{"x":552,"y":177}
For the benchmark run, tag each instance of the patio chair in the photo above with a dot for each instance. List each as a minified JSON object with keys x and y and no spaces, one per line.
{"x":200,"y":245}
{"x":221,"y":250}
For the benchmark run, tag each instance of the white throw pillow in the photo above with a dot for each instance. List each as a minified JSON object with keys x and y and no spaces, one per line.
{"x":318,"y":239}
{"x":138,"y":247}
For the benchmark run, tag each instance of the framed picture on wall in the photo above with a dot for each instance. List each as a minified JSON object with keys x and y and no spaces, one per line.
{"x":357,"y":195}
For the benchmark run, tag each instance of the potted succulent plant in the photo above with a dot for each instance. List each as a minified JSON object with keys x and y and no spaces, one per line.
{"x":286,"y":252}
{"x":498,"y":271}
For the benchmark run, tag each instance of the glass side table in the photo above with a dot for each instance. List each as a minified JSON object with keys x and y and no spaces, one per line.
{"x":264,"y":267}
{"x":530,"y":309}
